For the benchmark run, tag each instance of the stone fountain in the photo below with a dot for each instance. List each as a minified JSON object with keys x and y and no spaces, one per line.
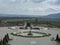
{"x":28,"y":26}
{"x":30,"y":33}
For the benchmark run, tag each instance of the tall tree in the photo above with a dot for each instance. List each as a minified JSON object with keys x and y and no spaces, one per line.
{"x":1,"y":42}
{"x":57,"y":37}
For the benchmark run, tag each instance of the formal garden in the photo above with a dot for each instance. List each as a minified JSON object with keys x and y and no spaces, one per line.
{"x":29,"y":34}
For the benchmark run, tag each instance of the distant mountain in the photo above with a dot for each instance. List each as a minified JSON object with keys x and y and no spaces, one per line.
{"x":11,"y":16}
{"x":57,"y":15}
{"x":15,"y":15}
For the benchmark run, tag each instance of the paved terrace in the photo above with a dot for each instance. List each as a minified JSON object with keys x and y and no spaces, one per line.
{"x":30,"y":41}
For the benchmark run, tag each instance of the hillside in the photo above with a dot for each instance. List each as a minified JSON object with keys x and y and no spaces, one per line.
{"x":57,"y":15}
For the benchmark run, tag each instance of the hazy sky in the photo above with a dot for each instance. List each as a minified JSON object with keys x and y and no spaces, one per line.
{"x":30,"y":7}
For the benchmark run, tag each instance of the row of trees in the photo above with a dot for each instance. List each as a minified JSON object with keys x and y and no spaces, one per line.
{"x":5,"y":40}
{"x":36,"y":21}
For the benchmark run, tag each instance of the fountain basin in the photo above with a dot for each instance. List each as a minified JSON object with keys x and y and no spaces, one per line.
{"x":34,"y":34}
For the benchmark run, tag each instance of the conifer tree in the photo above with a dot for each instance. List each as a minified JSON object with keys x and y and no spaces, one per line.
{"x":4,"y":41}
{"x":1,"y":42}
{"x":57,"y":37}
{"x":7,"y":36}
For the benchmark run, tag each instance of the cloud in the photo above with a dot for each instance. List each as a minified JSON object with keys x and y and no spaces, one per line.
{"x":37,"y":1}
{"x":54,"y":2}
{"x":30,"y":7}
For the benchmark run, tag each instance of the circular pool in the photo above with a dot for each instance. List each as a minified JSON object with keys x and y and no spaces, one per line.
{"x":34,"y":34}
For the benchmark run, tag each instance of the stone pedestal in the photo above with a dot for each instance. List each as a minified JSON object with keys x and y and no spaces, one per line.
{"x":30,"y":33}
